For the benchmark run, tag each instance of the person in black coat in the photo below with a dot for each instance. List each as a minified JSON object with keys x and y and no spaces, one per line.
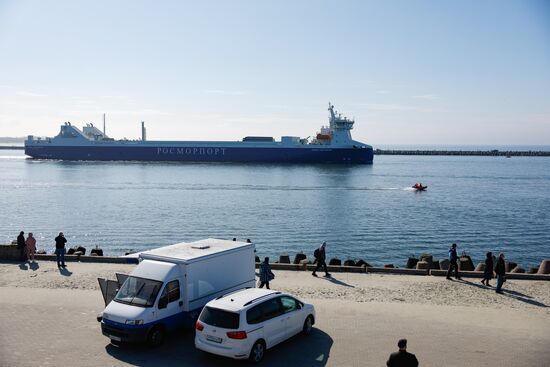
{"x":60,"y":250}
{"x":453,"y":262}
{"x":21,"y":246}
{"x":402,"y":358}
{"x":488,"y":273}
{"x":320,"y":258}
{"x":500,"y":270}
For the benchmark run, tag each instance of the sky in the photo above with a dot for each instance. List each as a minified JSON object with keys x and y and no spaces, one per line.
{"x":409,"y":72}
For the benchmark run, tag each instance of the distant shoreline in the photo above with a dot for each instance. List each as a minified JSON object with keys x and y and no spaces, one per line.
{"x":493,"y":152}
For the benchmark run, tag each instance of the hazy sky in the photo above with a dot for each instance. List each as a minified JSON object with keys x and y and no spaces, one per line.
{"x":410,"y":72}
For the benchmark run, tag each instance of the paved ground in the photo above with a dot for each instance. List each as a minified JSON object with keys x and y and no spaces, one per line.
{"x":57,"y":327}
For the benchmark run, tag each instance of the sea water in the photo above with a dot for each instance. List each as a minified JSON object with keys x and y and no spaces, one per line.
{"x":369,"y":212}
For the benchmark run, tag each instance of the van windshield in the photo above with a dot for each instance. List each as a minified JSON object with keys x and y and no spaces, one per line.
{"x":138,"y":292}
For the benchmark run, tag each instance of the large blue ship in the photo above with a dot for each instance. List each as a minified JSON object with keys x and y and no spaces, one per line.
{"x":332,"y":144}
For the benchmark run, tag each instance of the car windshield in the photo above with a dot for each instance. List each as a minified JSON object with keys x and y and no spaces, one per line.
{"x":220,"y":318}
{"x":138,"y":292}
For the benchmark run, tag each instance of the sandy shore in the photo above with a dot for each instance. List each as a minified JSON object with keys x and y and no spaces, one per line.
{"x":360,"y":318}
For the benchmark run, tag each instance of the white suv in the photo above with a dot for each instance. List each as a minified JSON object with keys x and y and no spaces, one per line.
{"x":245,"y":323}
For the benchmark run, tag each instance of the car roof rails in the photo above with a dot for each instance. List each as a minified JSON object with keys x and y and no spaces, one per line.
{"x":256,"y":299}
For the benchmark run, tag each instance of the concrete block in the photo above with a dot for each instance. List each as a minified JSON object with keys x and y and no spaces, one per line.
{"x":544,"y":267}
{"x":284,"y":259}
{"x":423,"y":265}
{"x":299,"y":257}
{"x":444,"y":264}
{"x":480,"y":267}
{"x":335,"y":261}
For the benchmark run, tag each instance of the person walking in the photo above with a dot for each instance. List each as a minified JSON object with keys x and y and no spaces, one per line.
{"x":453,"y":262}
{"x":265,"y":273}
{"x":402,"y":358}
{"x":320,"y":258}
{"x":60,"y":250}
{"x":500,"y":270}
{"x":21,"y":246}
{"x":31,"y":247}
{"x":488,"y":272}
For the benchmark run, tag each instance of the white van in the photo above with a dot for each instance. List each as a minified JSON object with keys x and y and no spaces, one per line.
{"x":170,"y":286}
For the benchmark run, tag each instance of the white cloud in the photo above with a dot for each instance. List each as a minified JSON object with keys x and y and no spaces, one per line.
{"x":225,"y":92}
{"x":30,"y":94}
{"x":429,"y":97}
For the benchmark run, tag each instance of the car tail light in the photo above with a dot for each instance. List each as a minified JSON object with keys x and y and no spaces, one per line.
{"x":199,"y":326}
{"x":236,"y":334}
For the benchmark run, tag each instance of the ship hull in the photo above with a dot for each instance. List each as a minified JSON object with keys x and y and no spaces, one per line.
{"x":351,"y":155}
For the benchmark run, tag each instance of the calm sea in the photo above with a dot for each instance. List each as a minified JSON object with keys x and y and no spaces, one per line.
{"x":369,"y":212}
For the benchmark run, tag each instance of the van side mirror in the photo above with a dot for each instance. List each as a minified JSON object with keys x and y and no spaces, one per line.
{"x":163,"y":302}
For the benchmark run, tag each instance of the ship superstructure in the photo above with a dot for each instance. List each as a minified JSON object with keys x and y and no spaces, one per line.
{"x":332,"y":144}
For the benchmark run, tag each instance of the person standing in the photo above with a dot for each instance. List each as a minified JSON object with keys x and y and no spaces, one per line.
{"x":402,"y":358}
{"x":453,"y":262}
{"x":31,"y":247}
{"x":500,"y":270}
{"x":21,"y":246}
{"x":265,"y":273}
{"x":320,"y":258}
{"x":488,"y":272}
{"x":60,"y":250}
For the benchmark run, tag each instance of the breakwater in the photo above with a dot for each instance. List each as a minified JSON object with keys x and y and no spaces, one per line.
{"x":12,"y":147}
{"x":484,"y":153}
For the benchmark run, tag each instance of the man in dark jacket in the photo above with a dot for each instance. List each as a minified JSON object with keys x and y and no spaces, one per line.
{"x":21,"y":246}
{"x":60,"y":250}
{"x":500,"y":270}
{"x":453,"y":262}
{"x":402,"y":358}
{"x":320,"y":257}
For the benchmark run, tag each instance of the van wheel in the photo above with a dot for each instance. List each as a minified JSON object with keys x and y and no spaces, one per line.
{"x":156,"y":336}
{"x":257,"y":352}
{"x":308,"y":325}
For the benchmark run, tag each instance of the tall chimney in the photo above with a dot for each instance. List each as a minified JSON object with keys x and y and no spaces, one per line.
{"x":143,"y":133}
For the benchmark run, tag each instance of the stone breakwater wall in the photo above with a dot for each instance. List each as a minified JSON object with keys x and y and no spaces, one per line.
{"x":493,"y":153}
{"x":425,"y":265}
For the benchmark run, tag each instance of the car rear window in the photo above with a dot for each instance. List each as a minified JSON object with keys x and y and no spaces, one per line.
{"x":220,"y":318}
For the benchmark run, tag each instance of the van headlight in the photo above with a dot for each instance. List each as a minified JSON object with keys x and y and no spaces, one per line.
{"x":134,"y":322}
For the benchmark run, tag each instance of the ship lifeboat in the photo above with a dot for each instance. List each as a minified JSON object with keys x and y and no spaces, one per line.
{"x":419,"y":187}
{"x":323,"y":136}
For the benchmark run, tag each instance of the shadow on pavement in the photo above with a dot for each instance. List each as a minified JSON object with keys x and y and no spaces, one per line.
{"x":338,"y":282}
{"x":65,"y":272}
{"x":510,"y":294}
{"x":179,"y":350}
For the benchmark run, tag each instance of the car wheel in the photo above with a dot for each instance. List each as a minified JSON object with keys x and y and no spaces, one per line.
{"x":257,"y":352}
{"x":308,"y":325}
{"x":156,"y":336}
